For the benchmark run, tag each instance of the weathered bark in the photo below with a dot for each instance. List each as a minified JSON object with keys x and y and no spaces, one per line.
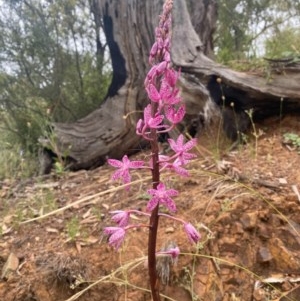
{"x":110,"y":130}
{"x":129,"y":28}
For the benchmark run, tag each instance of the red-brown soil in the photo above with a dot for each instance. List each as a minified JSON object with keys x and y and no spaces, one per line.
{"x":247,"y":198}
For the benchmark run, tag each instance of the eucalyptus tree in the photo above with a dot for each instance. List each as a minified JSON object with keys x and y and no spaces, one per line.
{"x":243,"y":26}
{"x":53,"y":65}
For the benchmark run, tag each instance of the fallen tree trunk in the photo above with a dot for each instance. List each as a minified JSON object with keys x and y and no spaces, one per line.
{"x":129,"y":29}
{"x":110,"y":131}
{"x":274,"y":92}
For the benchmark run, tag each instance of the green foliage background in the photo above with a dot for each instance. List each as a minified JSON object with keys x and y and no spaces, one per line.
{"x":249,"y":29}
{"x":50,"y":70}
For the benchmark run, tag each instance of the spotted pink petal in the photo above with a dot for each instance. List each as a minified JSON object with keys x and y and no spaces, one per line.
{"x":161,"y":67}
{"x":117,"y":174}
{"x":153,"y":94}
{"x":171,"y":192}
{"x":123,"y":169}
{"x":136,"y":164}
{"x":160,"y":43}
{"x":169,"y":203}
{"x":117,"y":236}
{"x":152,"y":204}
{"x":167,"y":56}
{"x":163,"y":196}
{"x":147,"y":113}
{"x":115,"y":163}
{"x":173,"y":116}
{"x":181,"y":171}
{"x":165,"y":90}
{"x":177,"y":166}
{"x":190,"y":144}
{"x":156,"y":121}
{"x":124,"y":175}
{"x":172,"y":76}
{"x":155,"y":71}
{"x":139,"y":127}
{"x":125,"y":161}
{"x":180,"y":141}
{"x":186,"y":157}
{"x":167,"y":43}
{"x":121,"y":217}
{"x":179,"y":147}
{"x":154,"y":49}
{"x":150,"y":75}
{"x":152,"y":122}
{"x":110,"y":230}
{"x":175,"y":145}
{"x":174,"y":98}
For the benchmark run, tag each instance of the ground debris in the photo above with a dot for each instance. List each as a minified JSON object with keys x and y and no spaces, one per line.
{"x":10,"y":266}
{"x":247,"y":201}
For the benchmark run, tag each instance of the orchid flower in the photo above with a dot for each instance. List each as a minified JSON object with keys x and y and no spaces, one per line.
{"x":117,"y":236}
{"x":123,"y":168}
{"x":193,"y":235}
{"x":181,"y":149}
{"x":161,"y":195}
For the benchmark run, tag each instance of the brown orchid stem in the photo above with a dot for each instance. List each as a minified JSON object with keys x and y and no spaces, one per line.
{"x":154,"y":282}
{"x":162,"y":33}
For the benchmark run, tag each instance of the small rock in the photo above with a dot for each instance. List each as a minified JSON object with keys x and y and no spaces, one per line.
{"x":228,"y":244}
{"x":286,"y":286}
{"x":237,"y":228}
{"x":11,"y":265}
{"x":225,"y":271}
{"x":225,"y":218}
{"x":292,"y":295}
{"x":170,"y":230}
{"x":259,"y":295}
{"x":264,"y":215}
{"x":263,"y":232}
{"x":105,"y":206}
{"x":282,"y":181}
{"x":249,"y":220}
{"x":284,"y":259}
{"x":51,"y":230}
{"x":264,"y":255}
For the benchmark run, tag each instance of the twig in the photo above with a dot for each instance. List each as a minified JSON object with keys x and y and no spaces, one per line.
{"x":85,"y":199}
{"x":296,"y":191}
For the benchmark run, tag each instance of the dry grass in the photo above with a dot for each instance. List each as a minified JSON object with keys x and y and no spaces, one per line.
{"x":63,"y":270}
